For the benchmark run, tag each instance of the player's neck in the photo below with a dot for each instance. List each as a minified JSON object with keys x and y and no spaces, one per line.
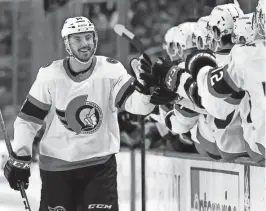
{"x":77,"y":66}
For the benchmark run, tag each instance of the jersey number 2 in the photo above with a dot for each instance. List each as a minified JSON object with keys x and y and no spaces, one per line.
{"x":217,"y":76}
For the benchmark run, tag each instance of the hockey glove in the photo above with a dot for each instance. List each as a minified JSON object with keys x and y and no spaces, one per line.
{"x":167,"y":92}
{"x":157,"y":73}
{"x":15,"y":173}
{"x":199,"y":59}
{"x":139,"y":66}
{"x":162,"y":96}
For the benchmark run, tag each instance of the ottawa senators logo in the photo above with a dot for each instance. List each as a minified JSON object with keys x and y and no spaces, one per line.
{"x":81,"y":116}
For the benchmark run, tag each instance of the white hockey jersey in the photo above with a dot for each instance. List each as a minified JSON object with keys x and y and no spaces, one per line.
{"x":82,"y":127}
{"x":217,"y":136}
{"x":215,"y":106}
{"x":214,"y":137}
{"x":251,"y":76}
{"x":246,"y":71}
{"x":249,"y":129}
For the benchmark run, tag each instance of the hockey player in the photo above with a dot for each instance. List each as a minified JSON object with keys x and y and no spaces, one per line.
{"x":216,"y":131}
{"x":246,"y":71}
{"x":183,"y":39}
{"x":185,"y":115}
{"x":243,"y":30}
{"x":169,"y":45}
{"x":201,"y":36}
{"x":78,"y":97}
{"x":220,"y":27}
{"x":171,"y":50}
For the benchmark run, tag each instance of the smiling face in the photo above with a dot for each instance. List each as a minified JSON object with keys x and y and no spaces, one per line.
{"x":82,"y":45}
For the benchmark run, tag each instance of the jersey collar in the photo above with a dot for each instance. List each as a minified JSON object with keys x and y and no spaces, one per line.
{"x":83,"y":76}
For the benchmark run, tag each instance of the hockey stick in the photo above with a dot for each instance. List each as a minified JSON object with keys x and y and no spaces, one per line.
{"x":122,"y":31}
{"x":15,"y":162}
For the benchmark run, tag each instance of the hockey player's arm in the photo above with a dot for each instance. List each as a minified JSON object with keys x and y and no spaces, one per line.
{"x":202,"y":64}
{"x":217,"y":93}
{"x":128,"y":98}
{"x":220,"y":84}
{"x":181,"y":119}
{"x":31,"y":116}
{"x":182,"y":86}
{"x":217,"y":96}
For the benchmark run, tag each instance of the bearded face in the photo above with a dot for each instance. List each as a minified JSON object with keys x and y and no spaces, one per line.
{"x":82,"y":45}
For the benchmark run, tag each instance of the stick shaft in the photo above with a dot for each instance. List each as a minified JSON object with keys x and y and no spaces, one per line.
{"x":6,"y":137}
{"x":24,"y":197}
{"x":136,"y":42}
{"x":11,"y":152}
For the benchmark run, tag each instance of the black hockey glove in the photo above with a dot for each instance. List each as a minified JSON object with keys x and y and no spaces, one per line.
{"x":199,"y":59}
{"x":16,"y":173}
{"x":139,"y":66}
{"x":155,"y":74}
{"x":167,"y":92}
{"x":162,"y":96}
{"x":191,"y":89}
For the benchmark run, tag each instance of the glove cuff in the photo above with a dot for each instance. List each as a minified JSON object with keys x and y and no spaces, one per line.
{"x":191,"y":89}
{"x":173,"y":76}
{"x":199,"y":59}
{"x":141,"y":88}
{"x":22,"y":162}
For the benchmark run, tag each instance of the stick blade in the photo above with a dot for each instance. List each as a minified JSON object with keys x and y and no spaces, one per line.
{"x":119,"y":29}
{"x":122,"y":31}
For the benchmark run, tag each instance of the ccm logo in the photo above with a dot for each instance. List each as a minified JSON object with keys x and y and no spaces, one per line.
{"x":19,"y":164}
{"x":172,"y":75}
{"x":100,"y":206}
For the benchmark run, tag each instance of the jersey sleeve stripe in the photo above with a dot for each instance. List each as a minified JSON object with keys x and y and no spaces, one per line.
{"x":235,"y":98}
{"x":233,"y":101}
{"x":126,"y":90}
{"x":30,"y":118}
{"x":186,"y":112}
{"x":34,"y":111}
{"x":39,"y":104}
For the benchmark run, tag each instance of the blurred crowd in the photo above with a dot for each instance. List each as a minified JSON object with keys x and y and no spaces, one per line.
{"x":151,"y":21}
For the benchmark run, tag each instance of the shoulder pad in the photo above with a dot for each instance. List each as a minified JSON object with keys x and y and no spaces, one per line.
{"x":112,"y":61}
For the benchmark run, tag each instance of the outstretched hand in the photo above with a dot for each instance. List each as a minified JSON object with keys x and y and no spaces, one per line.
{"x":155,"y":74}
